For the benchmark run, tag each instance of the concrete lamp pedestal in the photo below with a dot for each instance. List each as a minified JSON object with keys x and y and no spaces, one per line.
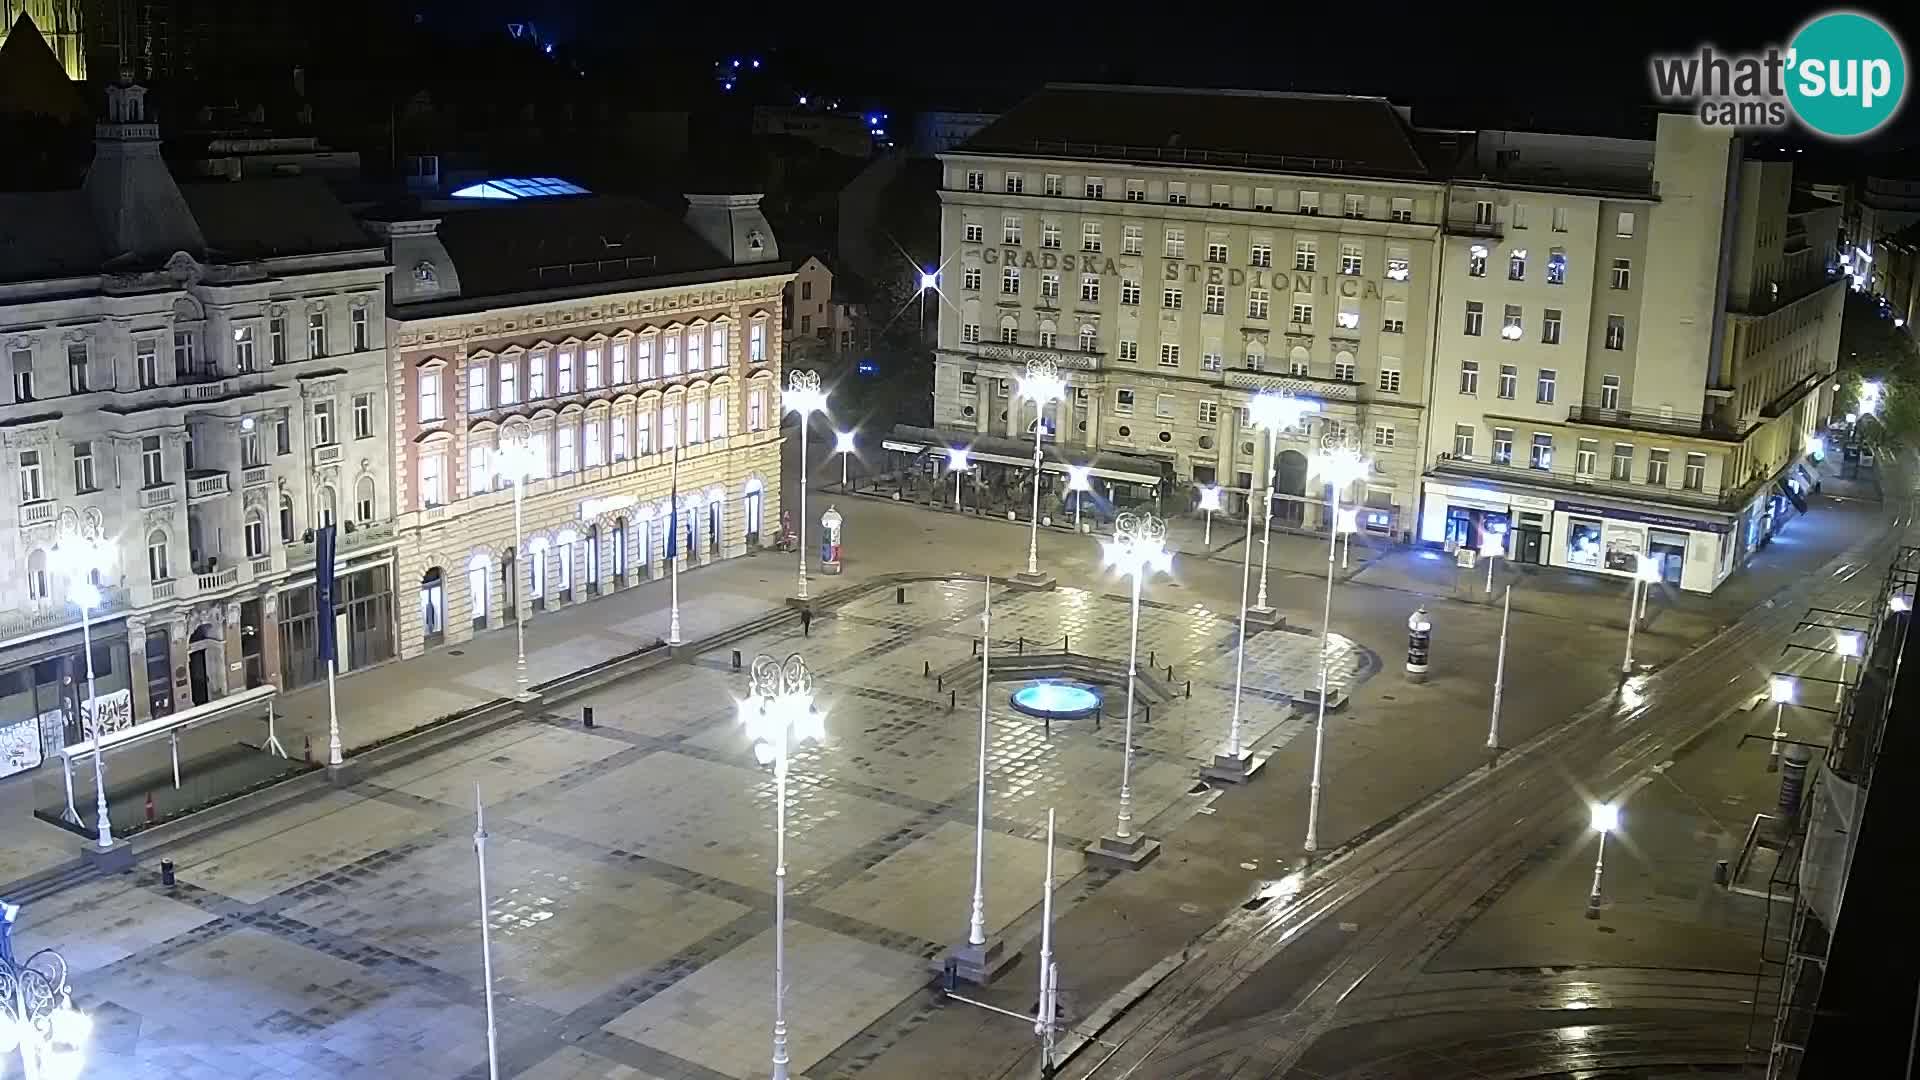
{"x":1114,"y":853}
{"x":1032,"y":582}
{"x":345,"y":774}
{"x":1264,"y":618}
{"x":1233,"y":770}
{"x":112,"y":860}
{"x":978,"y":964}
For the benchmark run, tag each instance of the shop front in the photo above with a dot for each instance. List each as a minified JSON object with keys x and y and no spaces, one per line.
{"x":1693,"y":554}
{"x":363,"y":626}
{"x":1480,"y":517}
{"x":42,"y":687}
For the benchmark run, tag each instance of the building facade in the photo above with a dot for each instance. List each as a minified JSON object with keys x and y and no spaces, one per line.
{"x":195,"y":376}
{"x":1285,"y":242}
{"x":60,"y":23}
{"x":812,"y":319}
{"x":1632,"y":357}
{"x":605,"y":371}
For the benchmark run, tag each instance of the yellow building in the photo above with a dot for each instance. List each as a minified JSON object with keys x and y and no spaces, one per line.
{"x":58,"y":22}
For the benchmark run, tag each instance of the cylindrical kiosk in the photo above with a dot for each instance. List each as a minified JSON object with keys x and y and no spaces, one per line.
{"x":830,"y":541}
{"x":1419,"y":644}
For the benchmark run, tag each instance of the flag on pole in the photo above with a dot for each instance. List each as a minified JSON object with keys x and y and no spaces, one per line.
{"x":323,"y":552}
{"x":673,"y":512}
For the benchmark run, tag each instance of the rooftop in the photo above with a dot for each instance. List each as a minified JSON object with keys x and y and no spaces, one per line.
{"x":520,"y":187}
{"x":1221,"y":128}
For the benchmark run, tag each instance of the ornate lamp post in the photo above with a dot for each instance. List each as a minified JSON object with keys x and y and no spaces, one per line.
{"x":1780,"y":691}
{"x":1645,"y":574}
{"x":518,"y":462}
{"x":1079,"y":479}
{"x":1606,"y":819}
{"x":1236,"y":763}
{"x":1273,"y":413}
{"x":1043,"y":386}
{"x":37,"y":1016}
{"x":805,"y":397}
{"x":956,"y":464}
{"x":1340,"y":466}
{"x":778,"y":713}
{"x":81,"y":556}
{"x":1209,"y":502}
{"x":1138,"y":548}
{"x":843,"y":445}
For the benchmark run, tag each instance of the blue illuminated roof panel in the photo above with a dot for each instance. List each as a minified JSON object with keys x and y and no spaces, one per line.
{"x":520,"y":187}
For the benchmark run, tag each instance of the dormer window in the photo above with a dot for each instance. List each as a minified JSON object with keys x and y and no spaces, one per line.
{"x":755,"y":241}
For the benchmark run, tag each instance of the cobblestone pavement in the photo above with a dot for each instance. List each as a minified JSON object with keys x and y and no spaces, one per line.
{"x":631,"y":865}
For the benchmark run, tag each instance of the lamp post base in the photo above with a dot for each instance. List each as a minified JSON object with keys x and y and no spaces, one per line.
{"x":1232,"y":769}
{"x":1032,"y":582}
{"x":345,"y":774}
{"x":111,"y":860}
{"x":977,"y":964}
{"x":1265,"y":618}
{"x":1114,"y":853}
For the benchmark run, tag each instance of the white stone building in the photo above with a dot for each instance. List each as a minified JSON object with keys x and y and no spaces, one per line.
{"x":608,"y":336}
{"x":1178,"y":251}
{"x":1632,"y":352}
{"x":193,"y":373}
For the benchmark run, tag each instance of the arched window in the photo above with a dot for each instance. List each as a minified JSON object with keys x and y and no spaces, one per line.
{"x":256,"y":533}
{"x":619,"y":549}
{"x":286,"y":518}
{"x":537,"y":572}
{"x":593,"y":558}
{"x":158,"y":567}
{"x":38,"y":586}
{"x":433,"y":606}
{"x":1256,"y":357}
{"x":363,"y":501}
{"x":327,"y":506}
{"x":563,"y":562}
{"x":1299,"y":361}
{"x":477,"y":575}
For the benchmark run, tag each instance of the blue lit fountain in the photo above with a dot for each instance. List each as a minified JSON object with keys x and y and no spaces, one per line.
{"x":1051,"y":700}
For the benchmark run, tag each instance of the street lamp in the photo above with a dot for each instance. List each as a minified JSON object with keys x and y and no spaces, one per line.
{"x":37,"y":1016}
{"x":805,"y":397}
{"x":1347,"y":522}
{"x":1492,"y":546}
{"x":1043,"y":386}
{"x":1340,"y":466}
{"x":1209,"y":502}
{"x":81,"y":557}
{"x":1606,"y":819}
{"x":1646,"y":573}
{"x":1897,"y":604}
{"x":843,"y":445}
{"x":1079,"y":479}
{"x":1500,"y":674}
{"x":956,"y":464}
{"x":1780,"y":692}
{"x":518,"y":461}
{"x":1236,"y":764}
{"x":1274,"y":413}
{"x":777,"y":713}
{"x":1847,"y":644}
{"x":1138,"y":548}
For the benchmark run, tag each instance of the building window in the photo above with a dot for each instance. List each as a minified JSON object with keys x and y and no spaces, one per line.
{"x":146,"y":362}
{"x":1657,"y":467}
{"x":564,"y":370}
{"x":1540,"y":455}
{"x":1016,"y":183}
{"x":1695,"y":478}
{"x":32,"y":487}
{"x":1476,"y":318}
{"x":83,"y":477}
{"x":1351,"y":258}
{"x":282,"y":433}
{"x":1302,"y":314}
{"x":1123,"y":401}
{"x":1502,"y":446}
{"x":1090,"y":236}
{"x":1173,"y":299}
{"x":363,"y":416}
{"x":159,"y":568}
{"x":717,"y":347}
{"x":563,"y":446}
{"x":1622,"y":273}
{"x":1009,"y":334}
{"x":1049,"y":289}
{"x":1129,"y":351}
{"x":1517,"y":266}
{"x":591,"y":358}
{"x":1348,"y":317}
{"x":186,"y":353}
{"x":1210,"y":360}
{"x":1048,"y":337}
{"x":1510,"y":323}
{"x":1256,"y":360}
{"x":1090,"y":288}
{"x":1257,"y":301}
{"x":1559,"y":219}
{"x":77,"y":368}
{"x":1509,"y":381}
{"x":153,"y":469}
{"x":1556,"y":267}
{"x":1623,"y":224}
{"x":1355,"y":206}
{"x":429,"y":400}
{"x":617,"y":359}
{"x":243,"y":349}
{"x":1306,"y":255}
{"x":1132,"y":240}
{"x":286,"y":519}
{"x":1389,"y":380}
{"x":1402,"y":210}
{"x":1163,"y":406}
{"x":510,"y":380}
{"x":1544,"y":387}
{"x":970,"y":280}
{"x":1344,"y":371}
{"x":1096,"y":187}
{"x":1470,"y":376}
{"x":362,"y":335}
{"x":256,"y":534}
{"x":1010,"y":281}
{"x":1216,"y":299}
{"x":975,"y":233}
{"x":1610,"y":392}
{"x":1297,"y":362}
{"x":1463,"y":441}
{"x":1483,"y":213}
{"x":1089,"y":340}
{"x":1169,"y":354}
{"x":1129,"y":292}
{"x":1176,"y":244}
{"x":1260,"y":255}
{"x":1550,"y":327}
{"x":323,"y":423}
{"x":1476,"y":261}
{"x":1383,"y":435}
{"x":1176,"y":193}
{"x":757,"y":342}
{"x":433,"y":481}
{"x":1216,"y":251}
{"x":1622,"y":461}
{"x":1053,"y":185}
{"x":363,"y":499}
{"x":1209,"y":413}
{"x":1011,"y":230}
{"x":316,"y":333}
{"x":1310,"y":203}
{"x":1586,"y":457}
{"x":277,"y":339}
{"x":1050,"y":235}
{"x":479,"y":466}
{"x":1616,"y":332}
{"x":476,"y":385}
{"x":970,"y":333}
{"x":976,"y":180}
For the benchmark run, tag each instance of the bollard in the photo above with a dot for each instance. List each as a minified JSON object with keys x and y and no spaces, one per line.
{"x":1151,"y":662}
{"x":976,"y":646}
{"x":152,"y":815}
{"x":1793,"y":778}
{"x":586,"y":717}
{"x":1020,"y":645}
{"x":308,"y":752}
{"x":1064,"y":646}
{"x":951,"y":700}
{"x":939,"y":683}
{"x":736,"y":659}
{"x":1189,"y":687}
{"x":926,"y":668}
{"x":1721,"y":875}
{"x":1169,"y":672}
{"x":1047,"y":723}
{"x":900,"y":594}
{"x":1146,"y":709}
{"x":166,"y":872}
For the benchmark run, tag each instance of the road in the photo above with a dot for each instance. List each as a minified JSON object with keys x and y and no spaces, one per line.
{"x":1270,"y":984}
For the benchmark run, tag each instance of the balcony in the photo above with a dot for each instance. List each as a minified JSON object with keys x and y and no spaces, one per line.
{"x":1468,"y":227}
{"x":208,"y":391}
{"x":203,"y":484}
{"x":157,"y":495}
{"x":18,"y":622}
{"x":163,"y":590}
{"x":346,"y":540}
{"x":1666,"y":422}
{"x":217,"y":579}
{"x":258,"y":476}
{"x":37,"y":513}
{"x":1018,"y":355}
{"x":1297,"y":385}
{"x":327,"y":455}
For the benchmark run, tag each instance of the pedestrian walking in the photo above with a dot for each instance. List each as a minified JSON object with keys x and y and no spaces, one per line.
{"x":806,"y":622}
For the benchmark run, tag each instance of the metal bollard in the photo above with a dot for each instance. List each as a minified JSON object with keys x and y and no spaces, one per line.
{"x":1065,"y":643}
{"x":736,"y":659}
{"x":939,"y":683}
{"x":166,"y":873}
{"x":1147,"y":709}
{"x":1169,"y":672}
{"x":900,"y":594}
{"x":1189,"y":687}
{"x":952,"y":700}
{"x":976,"y":646}
{"x":586,"y":717}
{"x":1020,"y":645}
{"x":1151,"y":662}
{"x":926,"y":668}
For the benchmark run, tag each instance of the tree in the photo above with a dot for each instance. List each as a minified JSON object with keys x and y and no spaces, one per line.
{"x":1872,"y":349}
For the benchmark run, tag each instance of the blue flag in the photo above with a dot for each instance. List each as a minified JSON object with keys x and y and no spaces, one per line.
{"x":673,"y":512}
{"x":323,"y":547}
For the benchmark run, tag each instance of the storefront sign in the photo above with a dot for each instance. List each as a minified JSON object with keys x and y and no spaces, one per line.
{"x":1623,"y":548}
{"x":1173,"y":271}
{"x":593,"y":508}
{"x":1528,"y":502}
{"x":1618,"y":514}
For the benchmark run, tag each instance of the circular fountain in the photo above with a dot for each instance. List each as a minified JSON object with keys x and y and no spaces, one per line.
{"x":1055,"y":700}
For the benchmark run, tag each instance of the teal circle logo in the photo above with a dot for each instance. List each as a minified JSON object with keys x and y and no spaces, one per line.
{"x":1847,"y":74}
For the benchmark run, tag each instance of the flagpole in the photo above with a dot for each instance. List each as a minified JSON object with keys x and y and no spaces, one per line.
{"x":328,"y":634}
{"x":673,"y":545}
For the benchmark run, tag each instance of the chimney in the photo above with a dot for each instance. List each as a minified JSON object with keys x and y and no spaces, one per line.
{"x":734,"y":226}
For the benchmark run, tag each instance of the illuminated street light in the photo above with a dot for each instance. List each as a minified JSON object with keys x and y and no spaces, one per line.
{"x":1847,"y":644}
{"x":843,"y":445}
{"x":1209,"y":502}
{"x":518,"y":462}
{"x":1897,"y":603}
{"x":929,"y":280}
{"x":1236,"y":764}
{"x":1138,"y":548}
{"x":1043,"y":386}
{"x":1079,"y":479}
{"x":778,"y":713}
{"x":1274,"y":413}
{"x":1646,"y":574}
{"x":1500,"y":674}
{"x":37,"y":1016}
{"x":1346,"y":522}
{"x":1780,"y":691}
{"x":956,"y":464}
{"x":1340,"y":466}
{"x":1606,"y":819}
{"x":805,"y":397}
{"x":82,"y":557}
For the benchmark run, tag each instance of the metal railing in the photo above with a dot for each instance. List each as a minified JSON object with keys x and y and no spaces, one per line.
{"x":1705,"y":497}
{"x":1592,"y":411}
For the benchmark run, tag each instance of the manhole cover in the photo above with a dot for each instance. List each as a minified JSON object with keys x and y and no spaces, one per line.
{"x":456,"y":652}
{"x":1189,"y":909}
{"x":1249,"y":866}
